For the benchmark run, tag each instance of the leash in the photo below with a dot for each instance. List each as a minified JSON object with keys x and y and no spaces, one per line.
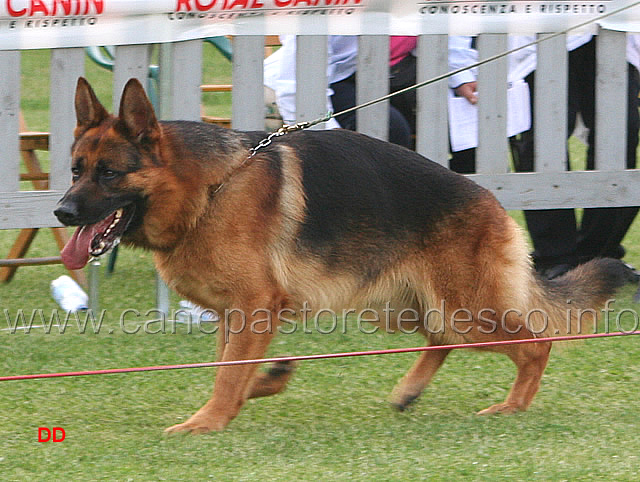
{"x":323,"y":356}
{"x":484,"y":61}
{"x":287,"y":128}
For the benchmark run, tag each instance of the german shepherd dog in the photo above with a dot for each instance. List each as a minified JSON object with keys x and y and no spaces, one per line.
{"x":324,"y":219}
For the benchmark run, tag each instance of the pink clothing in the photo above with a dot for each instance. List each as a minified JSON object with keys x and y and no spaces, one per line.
{"x":399,"y":48}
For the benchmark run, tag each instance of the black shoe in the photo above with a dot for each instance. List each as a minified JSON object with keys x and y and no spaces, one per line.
{"x":552,"y":267}
{"x":618,"y":252}
{"x":634,"y":274}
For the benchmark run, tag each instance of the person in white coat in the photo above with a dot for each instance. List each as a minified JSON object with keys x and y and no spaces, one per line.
{"x":463,"y":53}
{"x":280,"y":75}
{"x":560,"y":242}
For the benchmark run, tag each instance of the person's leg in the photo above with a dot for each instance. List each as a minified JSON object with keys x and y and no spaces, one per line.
{"x":552,"y":231}
{"x":463,"y":162}
{"x":401,"y":76}
{"x":344,"y":97}
{"x":399,"y":129}
{"x":602,"y":229}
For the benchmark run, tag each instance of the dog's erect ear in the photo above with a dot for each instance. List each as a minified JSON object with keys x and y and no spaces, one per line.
{"x":136,"y":113}
{"x":89,"y":111}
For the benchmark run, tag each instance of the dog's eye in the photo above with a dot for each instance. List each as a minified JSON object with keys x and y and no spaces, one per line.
{"x":75,"y":173}
{"x":108,"y":174}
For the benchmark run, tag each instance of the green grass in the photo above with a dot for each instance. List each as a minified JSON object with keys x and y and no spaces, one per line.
{"x":333,"y":422}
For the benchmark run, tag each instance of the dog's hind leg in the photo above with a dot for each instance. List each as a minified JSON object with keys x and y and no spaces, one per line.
{"x":417,"y":378}
{"x":531,"y":360}
{"x":272,"y":381}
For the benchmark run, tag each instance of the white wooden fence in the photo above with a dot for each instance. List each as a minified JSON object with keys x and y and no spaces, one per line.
{"x":181,"y":74}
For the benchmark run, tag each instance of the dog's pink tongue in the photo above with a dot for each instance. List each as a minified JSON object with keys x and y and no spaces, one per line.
{"x":75,"y":254}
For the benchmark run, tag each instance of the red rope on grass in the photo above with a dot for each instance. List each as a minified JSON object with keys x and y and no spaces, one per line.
{"x":317,"y":357}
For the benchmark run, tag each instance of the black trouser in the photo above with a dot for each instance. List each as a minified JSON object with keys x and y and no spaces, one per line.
{"x":463,"y":162}
{"x":401,"y":76}
{"x":344,"y":97}
{"x":556,"y":237}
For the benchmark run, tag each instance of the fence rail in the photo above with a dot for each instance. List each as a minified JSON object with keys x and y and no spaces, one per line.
{"x":179,"y":98}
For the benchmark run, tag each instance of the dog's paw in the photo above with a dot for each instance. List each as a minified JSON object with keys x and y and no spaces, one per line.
{"x":503,"y":408}
{"x":195,"y":426}
{"x":402,"y":403}
{"x":281,"y":368}
{"x":272,"y":381}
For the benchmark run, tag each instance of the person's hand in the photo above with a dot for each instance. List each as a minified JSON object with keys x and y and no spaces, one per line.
{"x":468,"y":91}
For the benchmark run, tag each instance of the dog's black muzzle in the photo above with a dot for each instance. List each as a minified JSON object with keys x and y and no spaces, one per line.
{"x":67,"y":212}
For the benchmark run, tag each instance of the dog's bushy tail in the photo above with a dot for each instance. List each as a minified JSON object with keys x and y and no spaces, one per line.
{"x":571,"y":303}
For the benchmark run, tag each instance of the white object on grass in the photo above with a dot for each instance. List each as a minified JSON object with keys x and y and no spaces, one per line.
{"x":68,"y":294}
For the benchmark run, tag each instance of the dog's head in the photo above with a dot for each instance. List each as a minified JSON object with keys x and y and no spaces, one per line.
{"x":109,"y":155}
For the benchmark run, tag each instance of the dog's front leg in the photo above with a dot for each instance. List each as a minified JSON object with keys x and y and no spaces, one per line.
{"x":245,"y":335}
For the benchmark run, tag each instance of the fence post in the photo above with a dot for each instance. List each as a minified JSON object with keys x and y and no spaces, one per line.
{"x":9,"y":120}
{"x":247,"y":100}
{"x":611,"y":100}
{"x":311,"y":77}
{"x":372,"y":82}
{"x":66,"y":66}
{"x":550,"y":148}
{"x":130,"y":61}
{"x":432,"y":134}
{"x":493,"y":147}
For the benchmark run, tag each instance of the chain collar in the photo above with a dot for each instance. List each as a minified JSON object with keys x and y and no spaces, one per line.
{"x":285,"y":129}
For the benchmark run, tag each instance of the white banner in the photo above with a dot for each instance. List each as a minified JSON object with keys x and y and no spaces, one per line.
{"x":29,"y":24}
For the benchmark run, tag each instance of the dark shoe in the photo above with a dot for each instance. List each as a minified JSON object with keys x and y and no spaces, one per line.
{"x":618,"y":252}
{"x":634,"y":274}
{"x":552,"y":267}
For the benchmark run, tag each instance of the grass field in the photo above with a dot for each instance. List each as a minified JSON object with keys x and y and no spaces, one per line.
{"x":333,"y":422}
